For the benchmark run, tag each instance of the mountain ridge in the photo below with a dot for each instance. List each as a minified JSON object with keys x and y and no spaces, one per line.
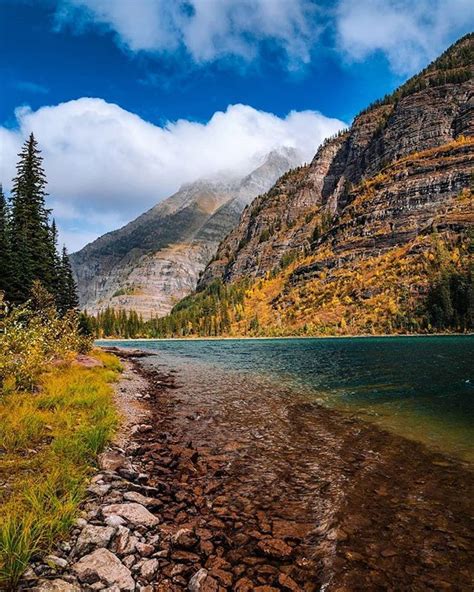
{"x":387,"y":194}
{"x":154,"y":260}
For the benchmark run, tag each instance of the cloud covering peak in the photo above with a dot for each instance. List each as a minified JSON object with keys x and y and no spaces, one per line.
{"x":106,"y":165}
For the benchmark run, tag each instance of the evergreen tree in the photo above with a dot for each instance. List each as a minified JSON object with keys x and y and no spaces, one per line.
{"x":67,"y":290}
{"x":5,"y":252}
{"x":30,"y":230}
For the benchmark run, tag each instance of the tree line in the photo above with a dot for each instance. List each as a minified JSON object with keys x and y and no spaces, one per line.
{"x":28,"y":238}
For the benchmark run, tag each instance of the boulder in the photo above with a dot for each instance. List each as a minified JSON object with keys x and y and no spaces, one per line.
{"x":104,"y":566}
{"x":112,"y":461}
{"x":134,"y":496}
{"x":93,"y":537}
{"x":197,"y":581}
{"x":149,"y":569}
{"x":56,"y":586}
{"x":184,"y":538}
{"x":134,"y":513}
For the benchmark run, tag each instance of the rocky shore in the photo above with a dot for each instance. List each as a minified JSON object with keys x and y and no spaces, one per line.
{"x":179,"y":505}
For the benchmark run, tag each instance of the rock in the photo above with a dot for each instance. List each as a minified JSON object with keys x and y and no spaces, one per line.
{"x":275,"y":548}
{"x":114,"y":520}
{"x":104,"y":566}
{"x":149,"y":569}
{"x":124,"y":543}
{"x":92,"y":537}
{"x":129,"y":561}
{"x":56,"y":586}
{"x":288,"y":583}
{"x":99,"y":489}
{"x":111,"y":461}
{"x":134,"y":513}
{"x":80,"y":522}
{"x":244,"y":585}
{"x":55,"y":561}
{"x":134,"y":496}
{"x":144,"y":549}
{"x":184,"y":538}
{"x":203,"y":582}
{"x":196,"y":582}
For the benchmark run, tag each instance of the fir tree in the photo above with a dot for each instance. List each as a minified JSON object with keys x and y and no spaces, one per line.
{"x":67,"y":290}
{"x":30,"y":230}
{"x":5,"y":253}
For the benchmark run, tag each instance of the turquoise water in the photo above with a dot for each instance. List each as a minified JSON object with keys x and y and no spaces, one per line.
{"x":418,"y":387}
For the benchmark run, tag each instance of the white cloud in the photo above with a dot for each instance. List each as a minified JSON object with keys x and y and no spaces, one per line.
{"x":409,"y":33}
{"x":106,"y":165}
{"x":206,"y":29}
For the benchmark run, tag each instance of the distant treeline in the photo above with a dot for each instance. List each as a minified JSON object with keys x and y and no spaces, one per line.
{"x":207,"y":313}
{"x":215,"y":311}
{"x":28,"y":239}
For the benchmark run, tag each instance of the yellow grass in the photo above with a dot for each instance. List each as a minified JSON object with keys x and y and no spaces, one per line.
{"x":49,"y":441}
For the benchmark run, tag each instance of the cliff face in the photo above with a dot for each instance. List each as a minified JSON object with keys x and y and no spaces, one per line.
{"x":372,"y":196}
{"x":322,"y":193}
{"x":155,"y":260}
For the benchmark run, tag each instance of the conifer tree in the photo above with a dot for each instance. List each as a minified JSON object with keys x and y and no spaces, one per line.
{"x":5,"y":252}
{"x":67,"y":290}
{"x":30,"y":230}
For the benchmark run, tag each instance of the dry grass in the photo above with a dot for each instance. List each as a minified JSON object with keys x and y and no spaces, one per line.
{"x":49,"y":441}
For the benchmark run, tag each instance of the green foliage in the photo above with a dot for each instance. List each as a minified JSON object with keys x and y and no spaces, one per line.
{"x":28,"y":241}
{"x":5,"y":248}
{"x":453,"y":66}
{"x":66,"y":294}
{"x":33,"y":335}
{"x":450,"y":301}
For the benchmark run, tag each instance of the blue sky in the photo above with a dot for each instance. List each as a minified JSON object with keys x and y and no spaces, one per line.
{"x":130,"y":98}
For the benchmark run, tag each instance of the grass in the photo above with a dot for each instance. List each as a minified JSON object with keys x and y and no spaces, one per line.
{"x":49,"y":441}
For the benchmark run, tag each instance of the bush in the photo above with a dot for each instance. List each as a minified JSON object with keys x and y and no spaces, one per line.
{"x":34,"y":335}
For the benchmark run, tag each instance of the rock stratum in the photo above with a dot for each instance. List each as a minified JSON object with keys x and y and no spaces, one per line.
{"x":346,"y":243}
{"x":155,"y":260}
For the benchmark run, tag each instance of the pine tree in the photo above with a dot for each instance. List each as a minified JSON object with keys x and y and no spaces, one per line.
{"x":5,"y":252}
{"x":30,"y":230}
{"x":67,"y":290}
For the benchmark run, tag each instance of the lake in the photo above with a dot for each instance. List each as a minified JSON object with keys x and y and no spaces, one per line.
{"x":421,"y":388}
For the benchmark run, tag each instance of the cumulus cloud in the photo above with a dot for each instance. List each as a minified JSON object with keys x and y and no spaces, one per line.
{"x":206,"y":29}
{"x":106,"y":165}
{"x":409,"y":33}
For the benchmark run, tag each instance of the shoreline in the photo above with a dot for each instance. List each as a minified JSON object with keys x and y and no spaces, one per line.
{"x":287,"y":337}
{"x":211,"y":521}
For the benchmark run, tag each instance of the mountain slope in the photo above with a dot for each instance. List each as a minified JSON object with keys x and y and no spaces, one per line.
{"x":155,"y":260}
{"x":346,"y":243}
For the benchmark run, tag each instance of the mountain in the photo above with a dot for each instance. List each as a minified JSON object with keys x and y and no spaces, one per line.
{"x":351,"y":242}
{"x":155,"y":260}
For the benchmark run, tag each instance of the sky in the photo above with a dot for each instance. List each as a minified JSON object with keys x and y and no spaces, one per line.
{"x":129,"y":99}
